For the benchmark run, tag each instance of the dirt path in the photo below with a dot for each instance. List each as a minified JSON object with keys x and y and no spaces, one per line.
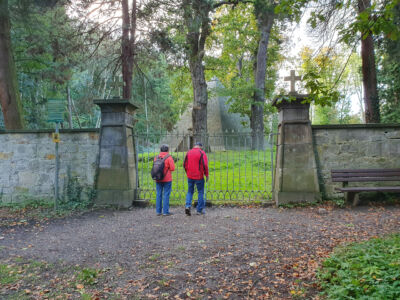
{"x":230,"y":252}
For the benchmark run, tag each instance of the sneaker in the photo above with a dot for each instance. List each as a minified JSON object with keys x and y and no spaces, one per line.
{"x":187,"y":211}
{"x":200,"y":213}
{"x":158,"y":214}
{"x":168,"y":214}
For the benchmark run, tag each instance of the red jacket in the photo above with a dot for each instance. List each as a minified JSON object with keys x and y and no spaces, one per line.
{"x":196,"y":164}
{"x":169,"y":166}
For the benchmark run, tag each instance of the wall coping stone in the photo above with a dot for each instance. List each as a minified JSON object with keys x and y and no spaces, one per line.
{"x":33,"y":131}
{"x":355,"y":126}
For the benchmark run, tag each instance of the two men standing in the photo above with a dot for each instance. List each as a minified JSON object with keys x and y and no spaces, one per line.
{"x":196,"y":167}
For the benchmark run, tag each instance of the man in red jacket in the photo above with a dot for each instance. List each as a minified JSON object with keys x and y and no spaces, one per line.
{"x":164,"y":185}
{"x":196,"y":167}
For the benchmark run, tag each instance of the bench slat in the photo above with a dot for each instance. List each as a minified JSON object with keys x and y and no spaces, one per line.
{"x":367,"y":174}
{"x":370,"y":189}
{"x":364,"y":170}
{"x":364,"y":179}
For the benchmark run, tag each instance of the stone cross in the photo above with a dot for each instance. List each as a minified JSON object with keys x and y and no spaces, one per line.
{"x":292,"y":78}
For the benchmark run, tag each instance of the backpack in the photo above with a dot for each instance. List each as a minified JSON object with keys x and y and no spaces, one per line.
{"x":157,"y":171}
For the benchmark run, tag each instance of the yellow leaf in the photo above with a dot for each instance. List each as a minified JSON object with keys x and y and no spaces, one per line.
{"x":79,"y":286}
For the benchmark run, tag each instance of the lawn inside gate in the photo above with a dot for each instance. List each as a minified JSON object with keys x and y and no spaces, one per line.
{"x":234,"y":177}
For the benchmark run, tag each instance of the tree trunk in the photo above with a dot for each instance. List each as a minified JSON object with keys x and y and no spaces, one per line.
{"x":197,"y":23}
{"x":127,"y":45}
{"x":9,"y":95}
{"x":371,"y":98}
{"x":265,"y":22}
{"x":199,"y":112}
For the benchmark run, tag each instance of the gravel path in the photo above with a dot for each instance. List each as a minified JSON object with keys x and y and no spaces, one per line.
{"x":234,"y":253}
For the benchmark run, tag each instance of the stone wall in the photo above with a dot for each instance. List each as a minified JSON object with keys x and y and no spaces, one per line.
{"x":27,"y":163}
{"x":354,"y":147}
{"x":27,"y":158}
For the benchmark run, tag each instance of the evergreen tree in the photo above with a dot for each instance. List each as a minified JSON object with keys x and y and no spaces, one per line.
{"x":9,"y":95}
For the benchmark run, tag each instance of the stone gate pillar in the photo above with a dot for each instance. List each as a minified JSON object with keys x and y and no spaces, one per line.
{"x":296,"y":178}
{"x":116,"y":178}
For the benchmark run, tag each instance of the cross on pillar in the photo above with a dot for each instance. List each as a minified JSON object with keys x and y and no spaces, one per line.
{"x":292,"y":78}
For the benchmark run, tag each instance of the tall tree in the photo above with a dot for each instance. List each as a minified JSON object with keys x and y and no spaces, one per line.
{"x":265,"y":15}
{"x":47,"y":50}
{"x":112,"y":19}
{"x":328,"y":64}
{"x":370,"y":85}
{"x":9,"y":94}
{"x":389,"y":74}
{"x":196,"y":17}
{"x":236,"y":33}
{"x":128,"y":45}
{"x":343,"y":19}
{"x":197,"y":21}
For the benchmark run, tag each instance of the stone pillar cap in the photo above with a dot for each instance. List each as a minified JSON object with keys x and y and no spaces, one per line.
{"x":284,"y":100}
{"x":115,"y":101}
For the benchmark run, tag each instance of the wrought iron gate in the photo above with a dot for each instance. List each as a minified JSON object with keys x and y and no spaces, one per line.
{"x":237,"y":174}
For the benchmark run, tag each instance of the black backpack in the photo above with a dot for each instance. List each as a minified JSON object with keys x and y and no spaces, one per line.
{"x":157,"y":171}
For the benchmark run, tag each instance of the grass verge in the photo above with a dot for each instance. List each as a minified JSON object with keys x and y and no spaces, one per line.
{"x":367,"y":270}
{"x":33,"y":211}
{"x":30,"y":279}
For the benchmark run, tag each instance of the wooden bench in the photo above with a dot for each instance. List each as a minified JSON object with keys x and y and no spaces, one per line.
{"x":364,"y":175}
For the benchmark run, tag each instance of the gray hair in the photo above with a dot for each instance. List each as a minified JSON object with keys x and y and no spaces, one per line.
{"x":164,"y":148}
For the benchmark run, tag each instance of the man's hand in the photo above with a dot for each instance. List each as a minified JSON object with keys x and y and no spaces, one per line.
{"x":206,"y":178}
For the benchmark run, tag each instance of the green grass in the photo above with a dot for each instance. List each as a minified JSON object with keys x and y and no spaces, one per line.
{"x":21,"y":213}
{"x":367,"y":270}
{"x":8,"y":274}
{"x":42,"y":280}
{"x":87,"y":276}
{"x":28,"y":204}
{"x":234,"y":176}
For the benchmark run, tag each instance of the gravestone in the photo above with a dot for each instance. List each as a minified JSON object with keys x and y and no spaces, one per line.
{"x":116,"y":179}
{"x":296,"y":177}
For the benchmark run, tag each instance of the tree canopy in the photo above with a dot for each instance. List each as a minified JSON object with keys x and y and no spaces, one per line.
{"x":162,"y":53}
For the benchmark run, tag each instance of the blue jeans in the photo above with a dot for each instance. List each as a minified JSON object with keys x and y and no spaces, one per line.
{"x":200,"y":191}
{"x":166,"y":188}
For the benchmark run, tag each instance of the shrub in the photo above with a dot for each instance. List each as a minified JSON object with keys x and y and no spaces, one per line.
{"x":367,"y":270}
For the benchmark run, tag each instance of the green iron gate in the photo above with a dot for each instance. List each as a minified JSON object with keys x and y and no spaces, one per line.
{"x":237,"y":174}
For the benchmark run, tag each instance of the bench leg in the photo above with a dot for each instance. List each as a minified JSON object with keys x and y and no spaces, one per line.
{"x":356,"y":200}
{"x":349,"y":197}
{"x":352,"y":197}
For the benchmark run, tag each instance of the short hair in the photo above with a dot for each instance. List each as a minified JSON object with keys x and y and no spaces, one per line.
{"x":198,"y":144}
{"x":164,"y":148}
